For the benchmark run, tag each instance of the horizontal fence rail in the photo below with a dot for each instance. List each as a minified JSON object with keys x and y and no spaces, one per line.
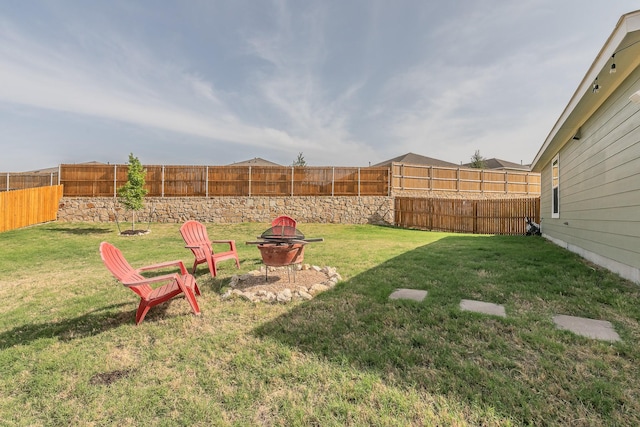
{"x":21,"y":208}
{"x":494,"y":216}
{"x":212,"y":181}
{"x":432,"y":178}
{"x":20,"y":181}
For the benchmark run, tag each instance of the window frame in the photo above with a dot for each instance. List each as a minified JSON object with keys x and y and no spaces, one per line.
{"x":555,"y":187}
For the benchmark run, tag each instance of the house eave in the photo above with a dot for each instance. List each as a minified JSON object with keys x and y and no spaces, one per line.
{"x":624,"y":42}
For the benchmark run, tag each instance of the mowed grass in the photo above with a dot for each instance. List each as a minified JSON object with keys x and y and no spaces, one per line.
{"x":70,"y":353}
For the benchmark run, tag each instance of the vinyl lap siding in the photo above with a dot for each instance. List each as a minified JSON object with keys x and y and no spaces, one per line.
{"x":600,"y":182}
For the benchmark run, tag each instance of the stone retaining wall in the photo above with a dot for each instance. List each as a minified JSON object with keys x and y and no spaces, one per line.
{"x":343,"y":210}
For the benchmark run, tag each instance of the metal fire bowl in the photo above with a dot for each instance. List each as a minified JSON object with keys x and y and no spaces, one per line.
{"x":279,"y":255}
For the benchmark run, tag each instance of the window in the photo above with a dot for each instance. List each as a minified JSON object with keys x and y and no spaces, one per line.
{"x":555,"y":188}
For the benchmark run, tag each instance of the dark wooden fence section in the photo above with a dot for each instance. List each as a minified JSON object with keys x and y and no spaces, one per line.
{"x":21,"y":208}
{"x":496,"y":216}
{"x":20,"y":181}
{"x":432,"y":178}
{"x":211,"y":181}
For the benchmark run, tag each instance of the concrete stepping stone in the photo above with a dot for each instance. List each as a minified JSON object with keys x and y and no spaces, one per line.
{"x":483,"y":307}
{"x":590,"y":328}
{"x":412,"y":294}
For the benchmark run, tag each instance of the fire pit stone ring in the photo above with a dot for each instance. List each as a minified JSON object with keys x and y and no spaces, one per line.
{"x":252,"y":287}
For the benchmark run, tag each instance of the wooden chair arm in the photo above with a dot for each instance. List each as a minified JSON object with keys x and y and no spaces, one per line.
{"x":146,"y":281}
{"x":175,"y":263}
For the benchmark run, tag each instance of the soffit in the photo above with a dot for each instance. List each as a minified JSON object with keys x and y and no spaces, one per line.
{"x":624,"y":42}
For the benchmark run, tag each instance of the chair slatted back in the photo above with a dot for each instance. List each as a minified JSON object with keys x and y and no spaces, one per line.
{"x":284,"y":226}
{"x":121,"y":269}
{"x":195,"y":233}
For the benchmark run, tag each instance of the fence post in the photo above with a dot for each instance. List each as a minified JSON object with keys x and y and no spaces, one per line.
{"x":506,"y":181}
{"x":458,"y":179}
{"x":481,"y":181}
{"x":431,"y":178}
{"x":162,"y":182}
{"x":358,"y":182}
{"x":59,"y":173}
{"x":206,"y":181}
{"x":8,"y":181}
{"x":249,"y":181}
{"x":333,"y":180}
{"x":115,"y":181}
{"x":475,"y":216}
{"x":292,"y":178}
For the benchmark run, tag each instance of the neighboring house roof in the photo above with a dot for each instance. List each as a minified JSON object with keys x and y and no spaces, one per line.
{"x":502,"y":165}
{"x":41,"y":171}
{"x":622,"y":49}
{"x":56,"y":168}
{"x":417,"y":159}
{"x":256,"y":161}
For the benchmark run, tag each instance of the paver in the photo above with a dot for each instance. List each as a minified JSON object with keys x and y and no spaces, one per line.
{"x":591,"y":328}
{"x":412,"y":294}
{"x":483,"y":307}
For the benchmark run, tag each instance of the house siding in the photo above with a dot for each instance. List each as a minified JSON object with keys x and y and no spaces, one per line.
{"x":600,"y":186}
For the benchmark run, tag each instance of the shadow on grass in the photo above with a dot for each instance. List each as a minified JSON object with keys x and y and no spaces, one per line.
{"x":81,"y":231}
{"x":497,"y":363}
{"x":89,"y":324}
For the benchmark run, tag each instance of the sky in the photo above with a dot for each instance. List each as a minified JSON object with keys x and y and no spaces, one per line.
{"x":344,"y":82}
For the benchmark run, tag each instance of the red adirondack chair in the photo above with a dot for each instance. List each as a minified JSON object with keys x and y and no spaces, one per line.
{"x":174,"y":284}
{"x":284,"y":225}
{"x":196,"y":238}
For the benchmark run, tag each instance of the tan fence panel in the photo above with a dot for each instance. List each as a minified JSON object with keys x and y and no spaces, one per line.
{"x":21,"y":208}
{"x":20,"y":181}
{"x":270,"y":181}
{"x":228,"y":181}
{"x":345,"y":182}
{"x":433,"y":178}
{"x":87,"y":180}
{"x":211,"y":181}
{"x":496,"y":216}
{"x":312,"y":181}
{"x":445,"y":179}
{"x":185,"y":181}
{"x":471,"y":180}
{"x":374,"y":181}
{"x":408,"y":177}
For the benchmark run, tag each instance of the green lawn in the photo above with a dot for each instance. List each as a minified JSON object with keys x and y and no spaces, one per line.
{"x":70,"y":353}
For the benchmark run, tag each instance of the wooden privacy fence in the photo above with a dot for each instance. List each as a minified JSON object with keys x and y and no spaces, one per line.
{"x":211,"y":181}
{"x":433,"y":178}
{"x":21,"y":208}
{"x":20,"y":181}
{"x":495,"y":216}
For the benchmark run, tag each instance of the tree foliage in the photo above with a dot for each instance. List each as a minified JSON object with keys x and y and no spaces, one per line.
{"x":299,"y":161}
{"x":132,"y":192}
{"x":477,"y":161}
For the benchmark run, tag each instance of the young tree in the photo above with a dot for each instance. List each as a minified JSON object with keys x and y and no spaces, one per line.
{"x":477,"y":161}
{"x":299,"y":161}
{"x":132,"y":192}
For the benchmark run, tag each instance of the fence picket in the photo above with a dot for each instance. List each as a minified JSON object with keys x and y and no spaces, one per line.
{"x":497,"y":216}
